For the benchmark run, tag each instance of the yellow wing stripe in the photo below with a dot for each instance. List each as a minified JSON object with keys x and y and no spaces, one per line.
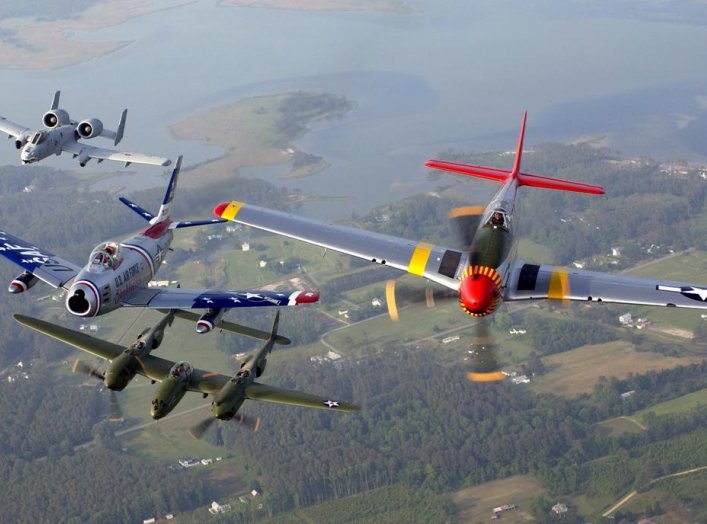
{"x":419,"y":258}
{"x":559,"y":285}
{"x":232,"y":210}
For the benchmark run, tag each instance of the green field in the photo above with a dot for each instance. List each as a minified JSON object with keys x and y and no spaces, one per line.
{"x":697,"y":399}
{"x":475,"y":505}
{"x":619,"y":426}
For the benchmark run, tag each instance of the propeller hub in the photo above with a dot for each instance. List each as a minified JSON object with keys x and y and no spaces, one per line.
{"x":479,"y":291}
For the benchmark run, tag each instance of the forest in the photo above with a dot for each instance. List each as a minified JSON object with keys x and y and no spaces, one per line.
{"x":423,"y":431}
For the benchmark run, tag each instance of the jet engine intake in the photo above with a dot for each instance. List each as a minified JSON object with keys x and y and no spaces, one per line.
{"x":90,"y":128}
{"x":56,"y":118}
{"x":83,"y":299}
{"x":209,"y":320}
{"x":22,"y":282}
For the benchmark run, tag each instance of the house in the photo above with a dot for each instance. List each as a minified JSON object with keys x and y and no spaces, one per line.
{"x":219,"y":508}
{"x":332,"y":355}
{"x":447,"y":340}
{"x":245,"y":246}
{"x":255,"y":493}
{"x":559,"y":508}
{"x":189,"y":462}
{"x":262,"y":263}
{"x":376,"y":302}
{"x":206,"y":462}
{"x":626,"y":319}
{"x":628,"y":394}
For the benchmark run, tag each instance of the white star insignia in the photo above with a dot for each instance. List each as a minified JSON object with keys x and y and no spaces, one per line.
{"x":331,"y":403}
{"x":702,"y":293}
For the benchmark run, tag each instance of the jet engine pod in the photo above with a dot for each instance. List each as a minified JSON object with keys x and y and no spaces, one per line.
{"x":21,"y":140}
{"x":90,"y":128}
{"x":208,"y":320}
{"x":83,"y":299}
{"x":22,"y":282}
{"x":56,"y":118}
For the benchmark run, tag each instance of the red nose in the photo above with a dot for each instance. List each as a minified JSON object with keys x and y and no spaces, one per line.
{"x":478,"y":294}
{"x":218,"y":210}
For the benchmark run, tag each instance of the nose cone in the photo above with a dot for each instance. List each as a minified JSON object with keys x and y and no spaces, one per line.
{"x":83,"y":299}
{"x":478,"y":294}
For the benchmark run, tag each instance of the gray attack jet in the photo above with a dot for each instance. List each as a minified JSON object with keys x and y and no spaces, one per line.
{"x":118,"y":273}
{"x":63,"y":135}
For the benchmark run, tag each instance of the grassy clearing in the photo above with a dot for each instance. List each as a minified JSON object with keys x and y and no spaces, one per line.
{"x":576,"y":371}
{"x":620,"y":426}
{"x":697,"y":399}
{"x":476,"y":504}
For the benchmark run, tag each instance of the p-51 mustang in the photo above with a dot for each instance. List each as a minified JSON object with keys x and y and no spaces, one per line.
{"x":117,"y":273}
{"x":62,"y":135}
{"x":177,"y":378}
{"x":487,"y":271}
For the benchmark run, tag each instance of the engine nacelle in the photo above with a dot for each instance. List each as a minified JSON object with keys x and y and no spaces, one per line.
{"x":208,"y":320}
{"x":157,"y":339}
{"x":22,"y":282}
{"x":83,"y":158}
{"x":21,"y":140}
{"x":83,"y":299}
{"x":90,"y":128}
{"x":56,"y":118}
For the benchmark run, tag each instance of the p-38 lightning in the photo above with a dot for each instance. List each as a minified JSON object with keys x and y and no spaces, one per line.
{"x":487,"y":271}
{"x":62,"y":135}
{"x":177,"y":378}
{"x":117,"y":273}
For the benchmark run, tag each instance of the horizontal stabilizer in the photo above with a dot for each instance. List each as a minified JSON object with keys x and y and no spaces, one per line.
{"x":193,"y":223}
{"x":146,"y":215}
{"x":524,"y":179}
{"x":489,"y":173}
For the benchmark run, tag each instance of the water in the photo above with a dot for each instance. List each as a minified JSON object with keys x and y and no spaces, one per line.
{"x":453,"y":74}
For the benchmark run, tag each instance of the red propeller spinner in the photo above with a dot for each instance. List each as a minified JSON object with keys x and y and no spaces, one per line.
{"x":479,"y":291}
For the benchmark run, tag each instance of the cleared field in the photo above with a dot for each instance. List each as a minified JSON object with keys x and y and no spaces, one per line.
{"x":476,"y":504}
{"x":687,"y":402}
{"x":620,"y":426}
{"x":576,"y":371}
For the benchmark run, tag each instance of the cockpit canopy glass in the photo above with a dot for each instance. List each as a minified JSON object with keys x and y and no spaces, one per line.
{"x":106,"y":256}
{"x":181,"y":370}
{"x":38,"y":137}
{"x":498,"y":217}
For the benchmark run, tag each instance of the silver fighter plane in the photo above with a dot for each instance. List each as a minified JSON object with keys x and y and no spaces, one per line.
{"x":117,"y":273}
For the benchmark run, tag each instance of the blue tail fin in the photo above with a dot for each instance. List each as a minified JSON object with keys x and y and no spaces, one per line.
{"x":166,"y":207}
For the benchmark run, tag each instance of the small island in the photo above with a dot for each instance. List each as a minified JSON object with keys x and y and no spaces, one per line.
{"x":259,"y":131}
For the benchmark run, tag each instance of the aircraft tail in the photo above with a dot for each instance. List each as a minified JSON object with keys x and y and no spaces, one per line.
{"x":166,"y":207}
{"x":523,"y":179}
{"x":55,"y":100}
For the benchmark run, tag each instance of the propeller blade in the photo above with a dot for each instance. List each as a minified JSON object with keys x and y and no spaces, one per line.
{"x":197,"y":431}
{"x":248,"y":422}
{"x":408,"y":295}
{"x":116,"y":413}
{"x":80,"y":366}
{"x":485,"y":366}
{"x":466,"y":221}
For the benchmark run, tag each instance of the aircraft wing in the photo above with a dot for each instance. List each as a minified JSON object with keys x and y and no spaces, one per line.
{"x":530,"y":281}
{"x":180,"y":298}
{"x":44,"y":265}
{"x":438,"y":264}
{"x":234,"y":328}
{"x":11,"y":128}
{"x":101,"y":153}
{"x":95,"y":346}
{"x":265,"y":393}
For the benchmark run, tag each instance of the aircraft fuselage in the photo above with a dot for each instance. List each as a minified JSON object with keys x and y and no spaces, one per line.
{"x":47,"y":142}
{"x":116,"y":270}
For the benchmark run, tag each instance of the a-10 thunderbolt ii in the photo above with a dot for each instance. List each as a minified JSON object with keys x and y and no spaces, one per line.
{"x":176,"y":378}
{"x":63,"y":135}
{"x":117,"y":273}
{"x":487,"y":270}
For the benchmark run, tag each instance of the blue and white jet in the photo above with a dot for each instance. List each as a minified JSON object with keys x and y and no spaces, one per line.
{"x":117,"y":273}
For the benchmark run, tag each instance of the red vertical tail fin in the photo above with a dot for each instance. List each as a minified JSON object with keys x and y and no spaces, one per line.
{"x":519,"y":151}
